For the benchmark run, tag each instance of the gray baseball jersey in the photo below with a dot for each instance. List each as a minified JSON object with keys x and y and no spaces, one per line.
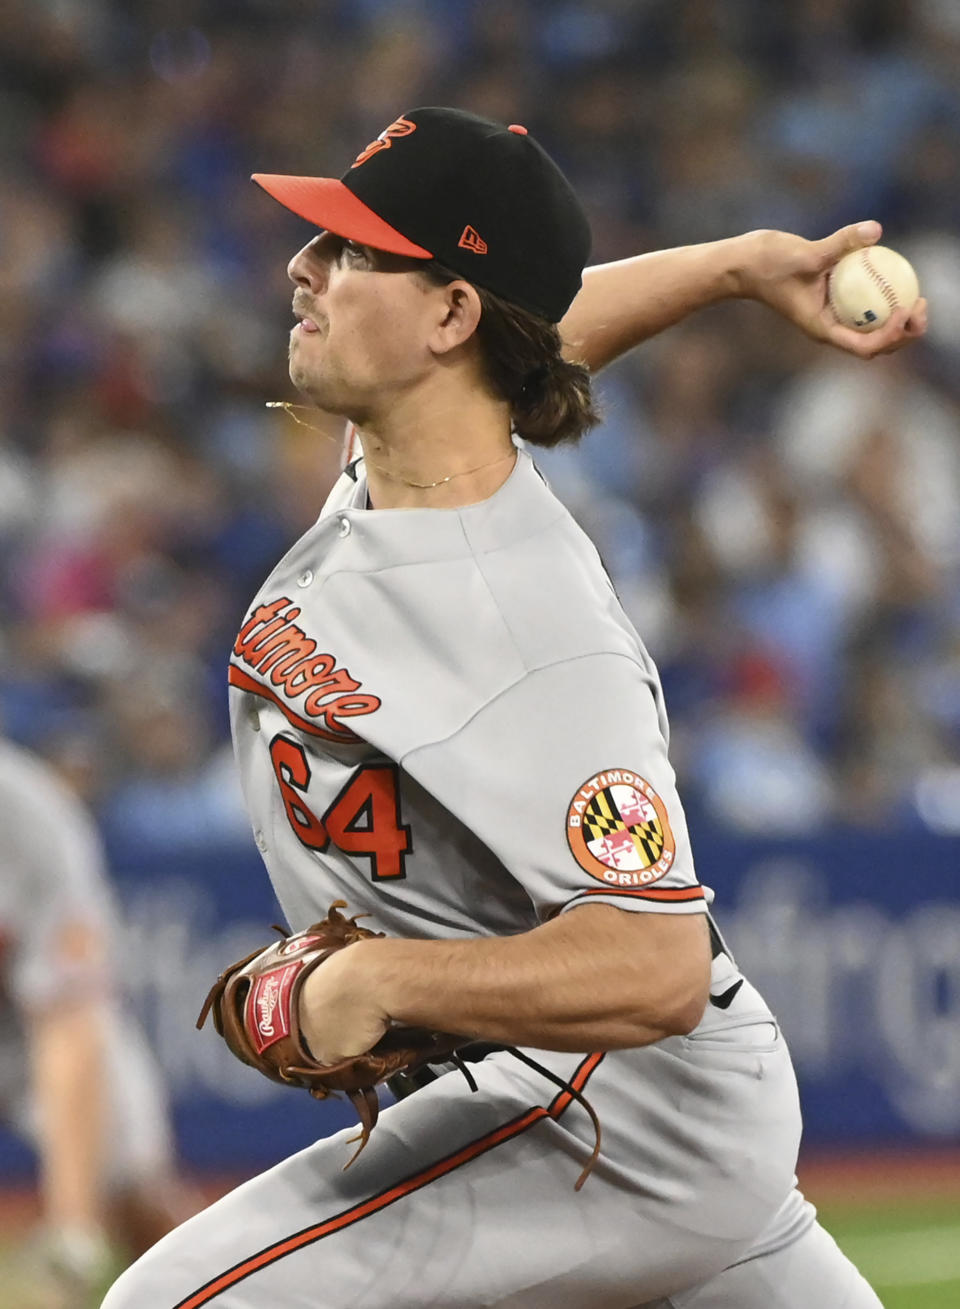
{"x":58,"y":928}
{"x":444,"y":718}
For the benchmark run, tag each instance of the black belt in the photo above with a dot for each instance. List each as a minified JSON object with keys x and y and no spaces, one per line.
{"x":404,"y":1084}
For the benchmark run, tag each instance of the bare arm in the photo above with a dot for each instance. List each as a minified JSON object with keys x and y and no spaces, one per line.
{"x":68,"y":1084}
{"x":594,"y":978}
{"x":624,"y":303}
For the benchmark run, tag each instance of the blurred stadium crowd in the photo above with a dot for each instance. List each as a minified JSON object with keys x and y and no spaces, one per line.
{"x":782,"y":523}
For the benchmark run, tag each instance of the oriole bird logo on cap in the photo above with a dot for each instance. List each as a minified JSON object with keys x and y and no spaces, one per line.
{"x":399,"y":127}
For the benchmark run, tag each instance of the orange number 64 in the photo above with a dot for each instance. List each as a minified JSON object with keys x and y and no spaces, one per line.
{"x":364,"y":819}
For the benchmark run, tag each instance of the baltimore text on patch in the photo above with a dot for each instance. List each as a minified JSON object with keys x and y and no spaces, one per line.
{"x":618,"y":829}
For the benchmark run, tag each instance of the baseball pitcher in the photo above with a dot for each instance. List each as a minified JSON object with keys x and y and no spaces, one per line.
{"x":454,"y":751}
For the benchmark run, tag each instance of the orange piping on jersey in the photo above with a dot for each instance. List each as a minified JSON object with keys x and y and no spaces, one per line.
{"x":649,"y":893}
{"x":244,"y":682}
{"x":377,"y":1202}
{"x":578,"y":1081}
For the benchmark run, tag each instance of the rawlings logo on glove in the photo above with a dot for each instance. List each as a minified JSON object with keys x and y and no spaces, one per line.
{"x":255,"y":1001}
{"x":268,"y":994}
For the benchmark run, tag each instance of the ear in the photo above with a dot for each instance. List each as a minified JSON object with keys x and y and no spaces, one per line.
{"x":459,"y":313}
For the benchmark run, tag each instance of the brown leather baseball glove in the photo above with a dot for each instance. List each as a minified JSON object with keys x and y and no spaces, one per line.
{"x":255,"y":1009}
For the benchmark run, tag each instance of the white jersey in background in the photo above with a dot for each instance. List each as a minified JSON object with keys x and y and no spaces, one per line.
{"x":59,"y":938}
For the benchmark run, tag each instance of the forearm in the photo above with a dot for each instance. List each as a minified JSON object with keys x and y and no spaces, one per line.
{"x":624,"y":303}
{"x":589,"y":979}
{"x":68,"y":1084}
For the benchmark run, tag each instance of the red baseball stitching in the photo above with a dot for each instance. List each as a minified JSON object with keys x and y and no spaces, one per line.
{"x":886,"y":290}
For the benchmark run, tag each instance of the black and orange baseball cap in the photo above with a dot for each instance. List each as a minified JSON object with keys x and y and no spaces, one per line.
{"x":485,"y":201}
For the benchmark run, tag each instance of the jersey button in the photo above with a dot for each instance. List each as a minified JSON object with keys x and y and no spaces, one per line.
{"x":255,"y":720}
{"x":345,"y":525}
{"x":260,"y":841}
{"x":305,"y":578}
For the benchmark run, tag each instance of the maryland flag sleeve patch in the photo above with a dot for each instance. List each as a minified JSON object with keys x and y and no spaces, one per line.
{"x":618,"y":830}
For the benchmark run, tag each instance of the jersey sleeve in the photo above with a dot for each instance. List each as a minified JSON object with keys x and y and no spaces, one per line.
{"x":565,"y":777}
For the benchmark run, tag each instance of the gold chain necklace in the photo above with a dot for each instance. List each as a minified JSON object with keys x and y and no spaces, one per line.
{"x":288,"y":407}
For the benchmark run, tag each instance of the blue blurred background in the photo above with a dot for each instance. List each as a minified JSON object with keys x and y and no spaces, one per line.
{"x":782,"y":523}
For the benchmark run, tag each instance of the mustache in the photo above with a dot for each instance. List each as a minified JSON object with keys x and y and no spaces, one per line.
{"x":302,"y":308}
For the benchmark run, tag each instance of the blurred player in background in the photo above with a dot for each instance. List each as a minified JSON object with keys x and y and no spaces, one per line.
{"x":77,"y":1078}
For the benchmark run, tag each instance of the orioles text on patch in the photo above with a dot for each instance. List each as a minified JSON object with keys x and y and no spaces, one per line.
{"x":271,"y":642}
{"x":618,"y":830}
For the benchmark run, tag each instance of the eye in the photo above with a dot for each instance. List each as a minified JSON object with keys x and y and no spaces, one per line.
{"x":352,"y":253}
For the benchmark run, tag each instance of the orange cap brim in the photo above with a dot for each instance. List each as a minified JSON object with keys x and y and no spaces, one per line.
{"x":327,"y":203}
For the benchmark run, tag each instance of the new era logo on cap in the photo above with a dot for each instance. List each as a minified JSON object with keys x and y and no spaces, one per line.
{"x":472,"y":240}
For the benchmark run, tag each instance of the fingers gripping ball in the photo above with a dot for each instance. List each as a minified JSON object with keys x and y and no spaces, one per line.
{"x":254,"y":1004}
{"x":866,"y":286}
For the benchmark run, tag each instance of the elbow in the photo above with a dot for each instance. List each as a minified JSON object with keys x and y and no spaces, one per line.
{"x":682,"y":1019}
{"x":684,"y":1011}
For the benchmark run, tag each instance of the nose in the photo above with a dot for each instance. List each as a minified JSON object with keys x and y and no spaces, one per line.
{"x":309,"y":267}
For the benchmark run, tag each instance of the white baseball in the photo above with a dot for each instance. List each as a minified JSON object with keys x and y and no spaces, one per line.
{"x":865,"y":287}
